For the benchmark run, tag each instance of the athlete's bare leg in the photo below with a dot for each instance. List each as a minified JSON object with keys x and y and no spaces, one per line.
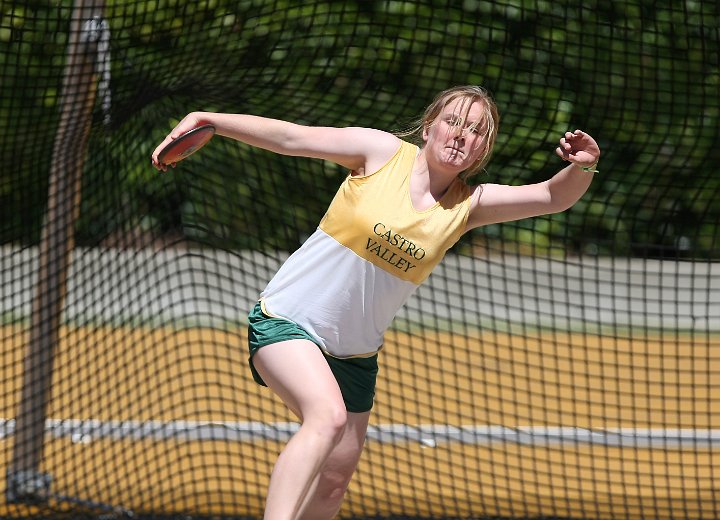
{"x":325,"y":497}
{"x":298,"y":372}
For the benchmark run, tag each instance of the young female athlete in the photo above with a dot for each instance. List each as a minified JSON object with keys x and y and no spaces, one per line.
{"x":316,"y":332}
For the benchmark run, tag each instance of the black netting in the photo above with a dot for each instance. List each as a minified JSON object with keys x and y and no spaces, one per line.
{"x":562,"y":366}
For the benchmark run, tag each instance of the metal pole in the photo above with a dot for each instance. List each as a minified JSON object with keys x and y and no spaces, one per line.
{"x":25,"y":481}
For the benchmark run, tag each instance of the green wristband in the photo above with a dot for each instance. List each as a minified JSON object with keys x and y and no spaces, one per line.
{"x":590,"y":169}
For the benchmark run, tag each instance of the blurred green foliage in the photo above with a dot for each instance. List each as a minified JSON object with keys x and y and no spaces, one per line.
{"x":641,"y":77}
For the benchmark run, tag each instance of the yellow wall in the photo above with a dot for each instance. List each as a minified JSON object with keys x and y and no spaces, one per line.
{"x":491,"y":378}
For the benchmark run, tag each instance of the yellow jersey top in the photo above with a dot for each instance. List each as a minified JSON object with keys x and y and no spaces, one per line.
{"x":370,"y":252}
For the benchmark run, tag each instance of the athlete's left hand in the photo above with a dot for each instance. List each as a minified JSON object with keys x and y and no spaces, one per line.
{"x":579,"y":148}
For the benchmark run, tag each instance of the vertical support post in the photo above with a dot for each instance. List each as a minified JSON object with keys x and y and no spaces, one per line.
{"x":25,"y":482}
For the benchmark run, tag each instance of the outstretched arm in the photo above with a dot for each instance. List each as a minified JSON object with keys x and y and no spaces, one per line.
{"x":493,"y":203}
{"x":353,"y":148}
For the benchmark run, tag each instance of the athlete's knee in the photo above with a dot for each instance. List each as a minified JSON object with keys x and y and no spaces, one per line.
{"x":337,"y":421}
{"x":329,"y":419}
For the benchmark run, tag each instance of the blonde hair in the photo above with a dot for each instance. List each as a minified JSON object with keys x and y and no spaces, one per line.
{"x":487,"y":124}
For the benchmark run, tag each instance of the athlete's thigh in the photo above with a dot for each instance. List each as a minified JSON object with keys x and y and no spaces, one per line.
{"x":298,"y":372}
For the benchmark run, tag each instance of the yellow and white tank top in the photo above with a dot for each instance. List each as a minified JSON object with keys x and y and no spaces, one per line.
{"x":370,"y":252}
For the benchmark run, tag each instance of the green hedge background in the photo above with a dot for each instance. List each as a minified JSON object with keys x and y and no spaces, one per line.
{"x":642,"y":77}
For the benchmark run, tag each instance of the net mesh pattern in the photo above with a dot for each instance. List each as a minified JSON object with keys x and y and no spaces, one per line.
{"x":564,"y":366}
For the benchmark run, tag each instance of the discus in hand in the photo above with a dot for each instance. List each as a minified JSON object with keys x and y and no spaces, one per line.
{"x":186,"y":145}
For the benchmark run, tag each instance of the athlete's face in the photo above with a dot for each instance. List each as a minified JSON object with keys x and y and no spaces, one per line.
{"x":455,"y":140}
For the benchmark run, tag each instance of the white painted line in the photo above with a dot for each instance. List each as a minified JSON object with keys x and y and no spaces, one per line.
{"x":431,"y":435}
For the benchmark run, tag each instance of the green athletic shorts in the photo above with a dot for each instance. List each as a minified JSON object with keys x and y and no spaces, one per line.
{"x":355,"y":376}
